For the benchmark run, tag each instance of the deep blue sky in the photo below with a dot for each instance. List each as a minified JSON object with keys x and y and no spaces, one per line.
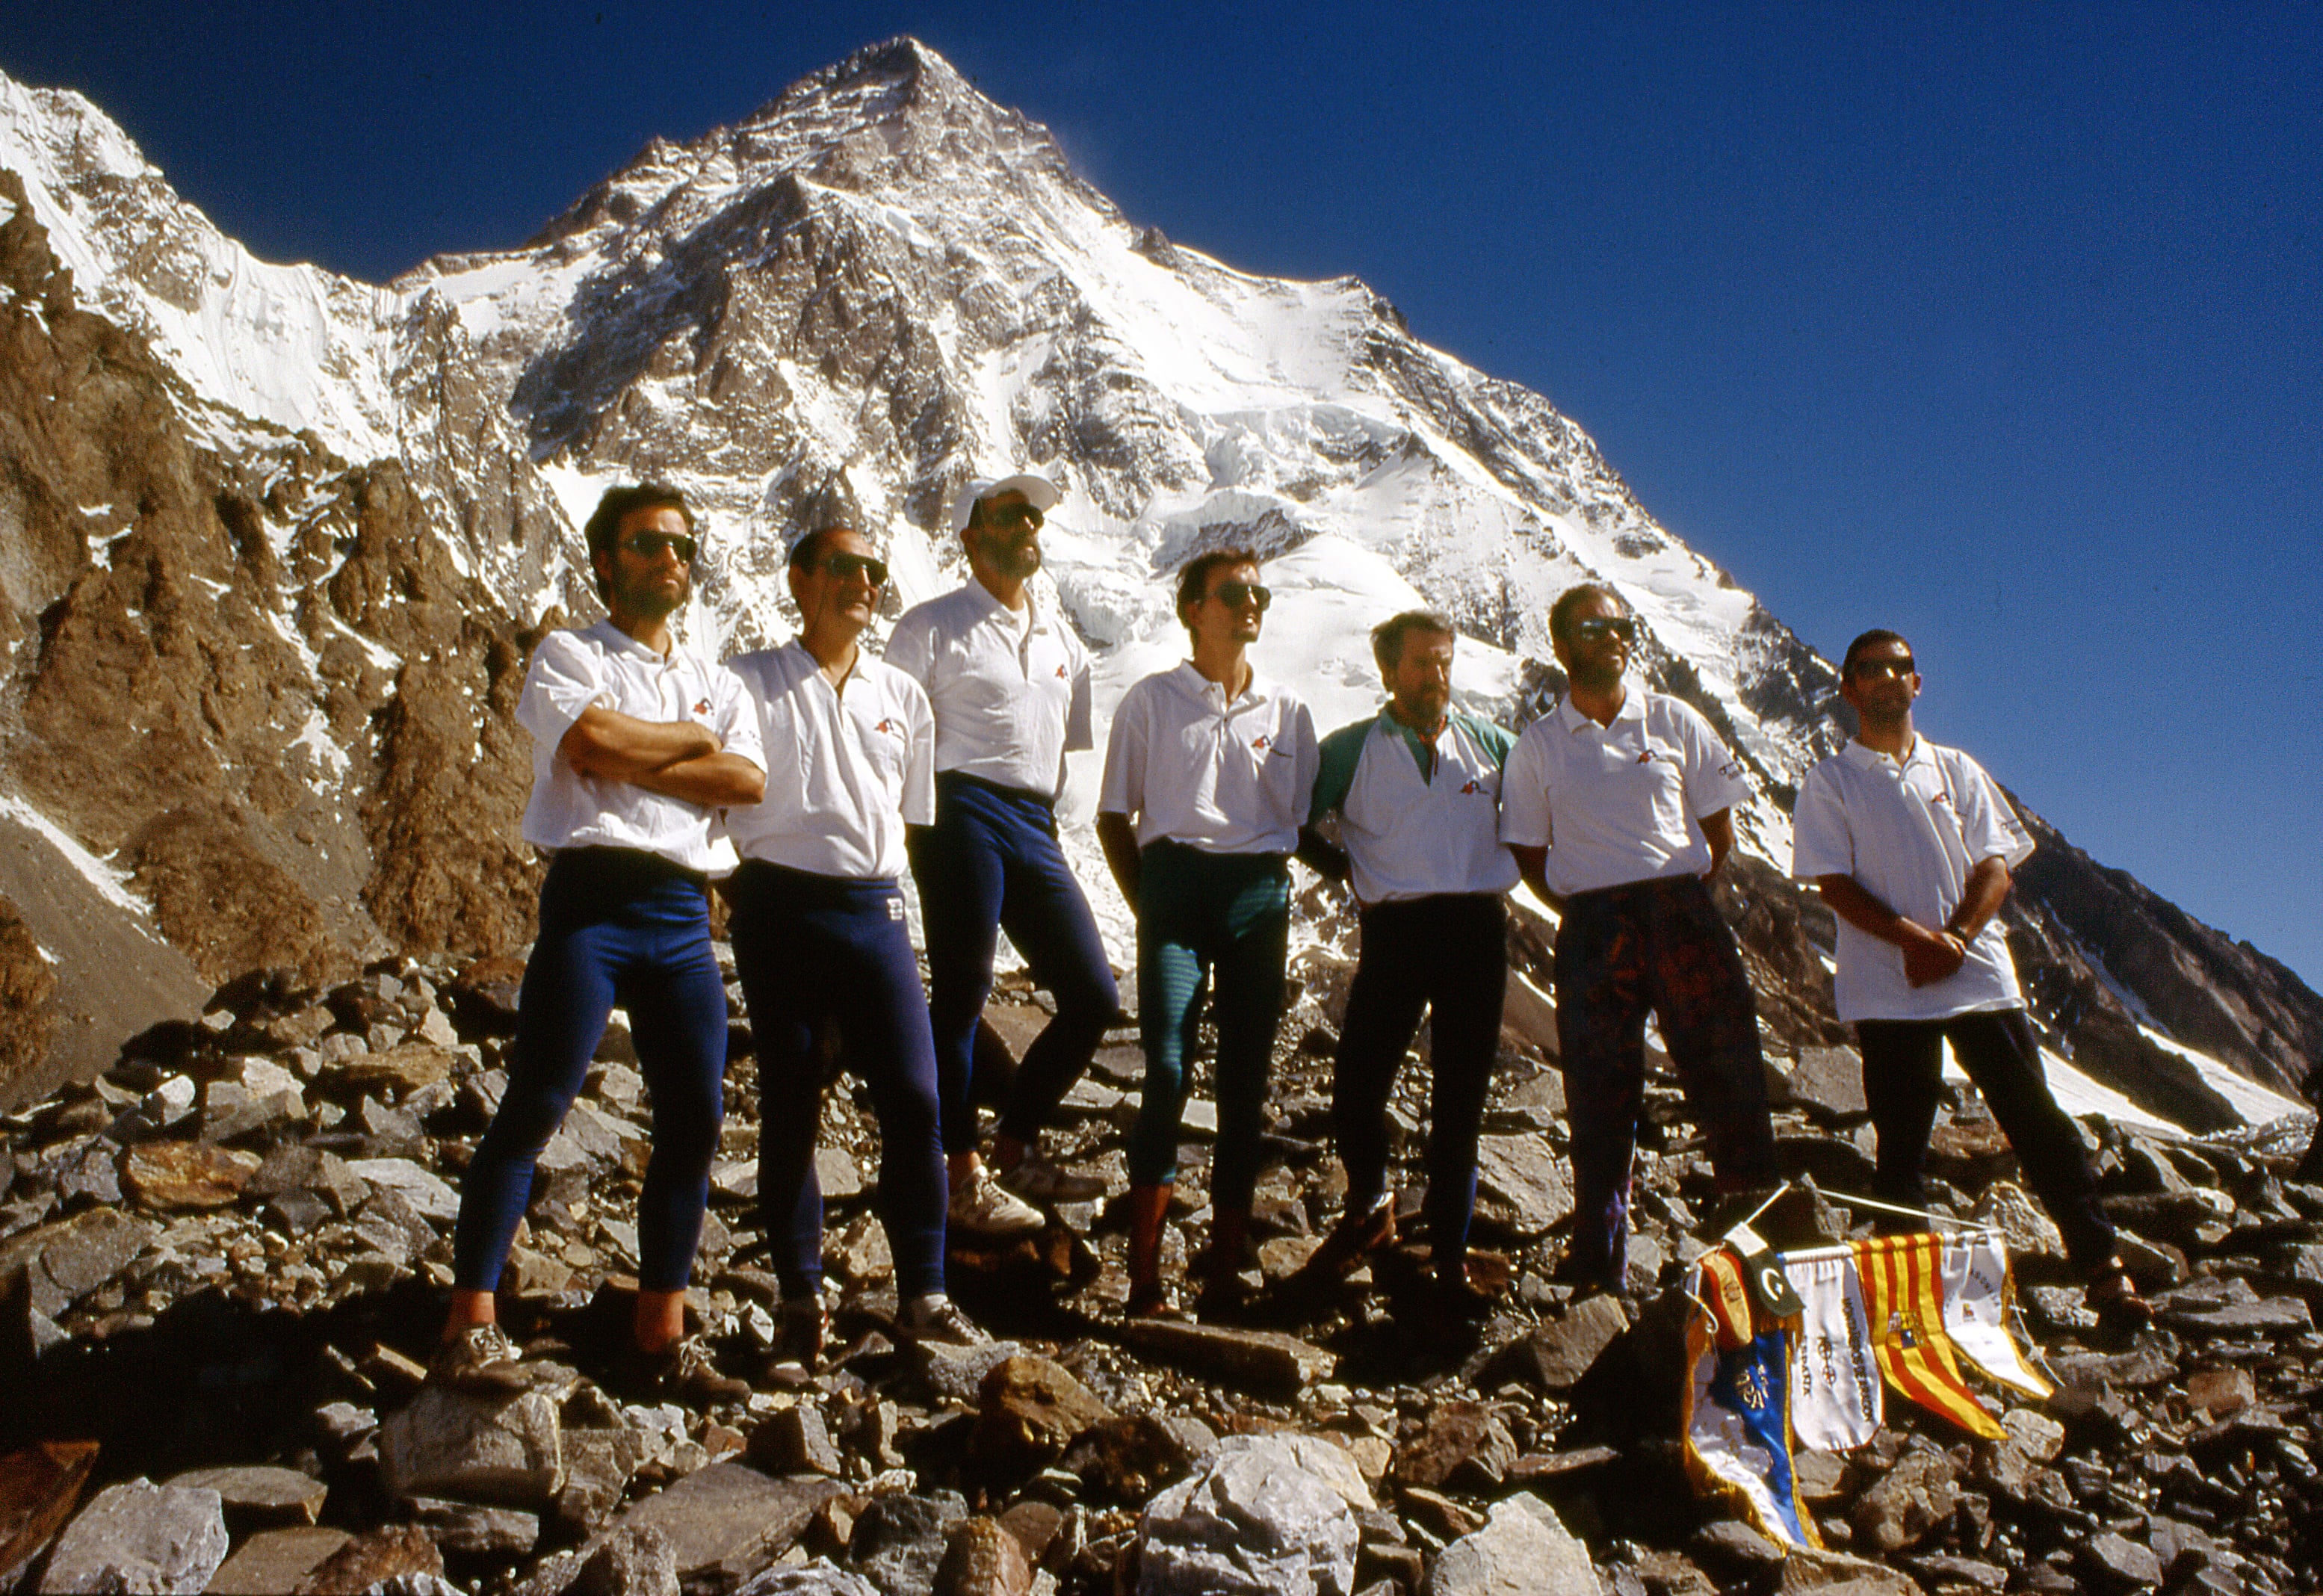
{"x":2002,"y":325}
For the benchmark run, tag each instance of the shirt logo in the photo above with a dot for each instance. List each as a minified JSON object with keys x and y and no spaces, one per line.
{"x":889,"y":725}
{"x":1259,"y":742}
{"x":1061,"y":673}
{"x":1472,"y":785}
{"x":702,"y":708}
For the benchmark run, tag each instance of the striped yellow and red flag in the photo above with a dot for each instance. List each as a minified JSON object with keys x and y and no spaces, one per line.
{"x":1903,"y":1296}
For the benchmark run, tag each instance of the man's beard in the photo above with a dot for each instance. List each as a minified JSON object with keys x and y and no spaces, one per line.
{"x":1018,"y":557}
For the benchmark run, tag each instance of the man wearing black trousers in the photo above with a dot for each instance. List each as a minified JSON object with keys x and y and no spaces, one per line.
{"x":1417,"y":788}
{"x":1911,"y":845}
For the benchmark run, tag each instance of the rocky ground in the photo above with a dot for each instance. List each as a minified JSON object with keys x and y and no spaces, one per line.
{"x":222,"y":1266}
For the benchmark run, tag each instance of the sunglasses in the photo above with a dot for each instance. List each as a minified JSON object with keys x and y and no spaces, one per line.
{"x":1015,"y":515}
{"x":1234,"y":595}
{"x":650,"y":545}
{"x":845,"y":567}
{"x":1597,"y":629}
{"x":1897,"y":668}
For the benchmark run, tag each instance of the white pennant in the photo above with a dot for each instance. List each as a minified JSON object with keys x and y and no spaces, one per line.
{"x":1976,"y":1311}
{"x":1836,"y":1400}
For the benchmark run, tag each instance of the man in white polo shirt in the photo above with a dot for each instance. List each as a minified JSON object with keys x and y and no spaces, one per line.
{"x":636,"y":742}
{"x":1618,"y":805}
{"x":818,"y":933}
{"x":1009,"y":684}
{"x":1911,"y":845}
{"x":1417,"y":789}
{"x":1207,"y":777}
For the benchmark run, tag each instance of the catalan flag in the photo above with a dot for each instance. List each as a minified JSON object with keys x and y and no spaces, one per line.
{"x":1903,"y":1296}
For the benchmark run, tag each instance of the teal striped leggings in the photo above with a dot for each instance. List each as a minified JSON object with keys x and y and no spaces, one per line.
{"x":1206,"y":918}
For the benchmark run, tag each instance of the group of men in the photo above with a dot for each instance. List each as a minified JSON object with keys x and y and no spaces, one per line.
{"x":833,"y":772}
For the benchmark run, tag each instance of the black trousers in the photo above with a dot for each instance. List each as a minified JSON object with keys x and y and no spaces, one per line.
{"x":1902,"y":1066}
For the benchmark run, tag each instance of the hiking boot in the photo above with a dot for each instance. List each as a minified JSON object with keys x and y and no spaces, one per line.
{"x":981,"y":1207}
{"x":1353,"y":1241}
{"x":481,"y":1360}
{"x":937,"y":1318}
{"x":1037,"y":1180}
{"x":684,"y":1371}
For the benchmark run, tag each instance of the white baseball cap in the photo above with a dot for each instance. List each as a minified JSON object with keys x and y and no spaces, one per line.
{"x":1039,"y":492}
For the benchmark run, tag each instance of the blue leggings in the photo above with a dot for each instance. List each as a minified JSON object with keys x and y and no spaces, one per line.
{"x":617,"y":925}
{"x":991,"y":863}
{"x":811,"y":948}
{"x":1204,"y":917}
{"x":1449,"y":950}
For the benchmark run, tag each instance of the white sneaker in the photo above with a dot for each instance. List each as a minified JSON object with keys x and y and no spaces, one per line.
{"x":937,"y":1318}
{"x":1037,"y":1180}
{"x":979,"y":1206}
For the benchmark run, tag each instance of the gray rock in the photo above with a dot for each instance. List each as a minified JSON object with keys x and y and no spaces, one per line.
{"x":899,"y":1540}
{"x":1828,"y":1083}
{"x":493,"y":1449}
{"x":418,"y":1185}
{"x":1554,"y":1356}
{"x":274,"y":1561}
{"x":637,"y":1561}
{"x":61,"y":1262}
{"x":956,"y":1373}
{"x":728,"y":1521}
{"x":139,"y":1537}
{"x":2118,"y":1564}
{"x":1523,"y":1548}
{"x":795,"y":1441}
{"x":841,"y":1176}
{"x":820,"y":1577}
{"x":259,"y":1497}
{"x":1254,"y":1520}
{"x":2272,"y":1316}
{"x":1840,"y":1573}
{"x":1521,"y":1183}
{"x":470,"y":1527}
{"x":1903,"y":1505}
{"x":598,"y":1464}
{"x":2023,"y":1223}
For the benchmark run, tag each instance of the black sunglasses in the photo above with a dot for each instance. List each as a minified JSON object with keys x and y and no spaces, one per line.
{"x":1234,"y":595}
{"x":1011,"y":515}
{"x":1898,"y":668}
{"x":844,"y":566}
{"x":648,"y":545}
{"x":1597,"y":629}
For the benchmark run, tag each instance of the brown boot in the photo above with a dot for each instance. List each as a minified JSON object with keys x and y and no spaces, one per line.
{"x":1148,"y":1205}
{"x":1223,"y":1293}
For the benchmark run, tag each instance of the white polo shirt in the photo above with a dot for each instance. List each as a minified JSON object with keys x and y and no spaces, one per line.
{"x":1909,"y":831}
{"x":603,"y":664}
{"x":848,"y":766}
{"x":1409,"y":835}
{"x":1222,"y":777}
{"x":1010,"y":689}
{"x":1620,"y":804}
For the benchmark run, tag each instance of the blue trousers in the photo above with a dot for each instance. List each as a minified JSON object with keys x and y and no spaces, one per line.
{"x":1656,"y":946}
{"x":813,"y":948}
{"x":1205,"y":918}
{"x":1451,"y":951}
{"x":991,"y":863}
{"x":617,"y":926}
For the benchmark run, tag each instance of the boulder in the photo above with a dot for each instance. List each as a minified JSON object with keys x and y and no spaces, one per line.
{"x":1028,"y":1411}
{"x":138,"y":1536}
{"x":176,"y":1175}
{"x":1253,"y":1520}
{"x":1556,"y":1355}
{"x":1828,"y":1083}
{"x":393,"y":1552}
{"x":1913,"y":1497}
{"x":276,"y":1562}
{"x":982,"y":1559}
{"x":728,"y":1521}
{"x":478,"y":1448}
{"x":899,"y":1541}
{"x":1523,"y":1548}
{"x":1521,"y":1183}
{"x":256,"y":1497}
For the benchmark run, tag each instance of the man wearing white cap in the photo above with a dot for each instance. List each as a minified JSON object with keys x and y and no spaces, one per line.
{"x":1009,"y":682}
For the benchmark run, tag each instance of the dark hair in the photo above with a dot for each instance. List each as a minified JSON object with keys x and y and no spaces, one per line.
{"x":808,"y":550}
{"x":1194,"y":576}
{"x":1387,"y":638}
{"x":1560,"y":614}
{"x":604,"y":528}
{"x":1876,"y":635}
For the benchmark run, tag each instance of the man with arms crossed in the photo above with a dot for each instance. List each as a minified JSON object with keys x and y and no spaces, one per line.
{"x":635,"y":741}
{"x":1417,"y":789}
{"x":1619,"y":807}
{"x":818,"y":933}
{"x":1207,"y":777}
{"x":1009,"y":684}
{"x":1911,"y":845}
